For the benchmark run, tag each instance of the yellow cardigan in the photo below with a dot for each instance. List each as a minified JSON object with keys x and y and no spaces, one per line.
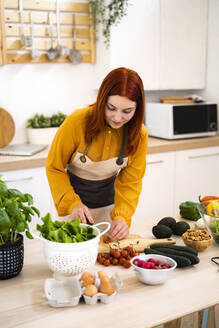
{"x":69,"y":140}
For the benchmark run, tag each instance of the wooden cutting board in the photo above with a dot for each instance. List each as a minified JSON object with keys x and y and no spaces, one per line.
{"x":7,"y":128}
{"x":139,"y":243}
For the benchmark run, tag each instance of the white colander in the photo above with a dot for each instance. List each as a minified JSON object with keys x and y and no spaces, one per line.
{"x":72,"y":258}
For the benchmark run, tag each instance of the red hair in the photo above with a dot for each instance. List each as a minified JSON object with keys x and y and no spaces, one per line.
{"x":123,"y":82}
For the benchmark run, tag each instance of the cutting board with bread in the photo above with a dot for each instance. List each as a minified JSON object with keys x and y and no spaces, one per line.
{"x":138,"y":242}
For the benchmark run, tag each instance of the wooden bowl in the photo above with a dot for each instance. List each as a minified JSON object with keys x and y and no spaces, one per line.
{"x":198,"y":245}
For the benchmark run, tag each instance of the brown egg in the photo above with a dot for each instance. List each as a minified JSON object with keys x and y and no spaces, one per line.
{"x":87,"y":279}
{"x":90,"y":290}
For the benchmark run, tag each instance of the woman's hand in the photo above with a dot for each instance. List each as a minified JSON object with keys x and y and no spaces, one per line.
{"x":119,"y":229}
{"x":82,"y":212}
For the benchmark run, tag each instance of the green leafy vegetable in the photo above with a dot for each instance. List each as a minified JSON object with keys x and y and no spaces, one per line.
{"x":3,"y":188}
{"x":64,"y":232}
{"x":15,"y":213}
{"x":214,"y":226}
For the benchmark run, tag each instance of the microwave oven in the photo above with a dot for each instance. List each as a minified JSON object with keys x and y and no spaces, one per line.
{"x":179,"y":121}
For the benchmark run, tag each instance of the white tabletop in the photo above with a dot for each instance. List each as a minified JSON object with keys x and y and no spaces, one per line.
{"x":189,"y":290}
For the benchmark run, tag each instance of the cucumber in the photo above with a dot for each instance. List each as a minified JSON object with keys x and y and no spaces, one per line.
{"x":176,"y":247}
{"x":180,"y":260}
{"x":193,"y":258}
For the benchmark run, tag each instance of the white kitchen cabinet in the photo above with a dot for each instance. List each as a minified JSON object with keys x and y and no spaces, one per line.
{"x":183,"y":44}
{"x":135,"y":41}
{"x":156,"y":199}
{"x":34,"y":182}
{"x":174,"y":177}
{"x":196,"y":174}
{"x":165,"y":41}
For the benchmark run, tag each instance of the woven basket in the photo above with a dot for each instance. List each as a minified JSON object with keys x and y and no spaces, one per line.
{"x":11,"y":259}
{"x":72,"y":258}
{"x":198,"y":245}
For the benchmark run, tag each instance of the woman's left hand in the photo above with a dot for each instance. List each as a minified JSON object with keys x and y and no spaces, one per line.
{"x":119,"y":229}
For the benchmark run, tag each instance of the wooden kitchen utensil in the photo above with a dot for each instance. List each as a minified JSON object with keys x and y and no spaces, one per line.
{"x":137,"y":242}
{"x":176,"y":100}
{"x":7,"y":128}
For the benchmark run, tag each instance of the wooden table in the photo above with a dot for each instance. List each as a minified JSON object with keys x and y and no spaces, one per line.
{"x":189,"y":290}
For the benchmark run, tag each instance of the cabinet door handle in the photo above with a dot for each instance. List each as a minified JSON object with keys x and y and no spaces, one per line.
{"x":202,"y":156}
{"x":156,"y":162}
{"x":18,"y":180}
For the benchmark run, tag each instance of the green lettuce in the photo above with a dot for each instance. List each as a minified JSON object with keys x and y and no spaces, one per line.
{"x":65,"y":232}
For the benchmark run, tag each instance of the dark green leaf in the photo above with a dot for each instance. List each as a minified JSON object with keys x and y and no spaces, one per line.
{"x":16,"y":193}
{"x":29,"y":210}
{"x":28,"y":217}
{"x":28,"y":198}
{"x":3,"y":188}
{"x":58,"y":224}
{"x":36,"y":211}
{"x":5,"y":222}
{"x":28,"y":234}
{"x":12,"y":208}
{"x":21,"y":226}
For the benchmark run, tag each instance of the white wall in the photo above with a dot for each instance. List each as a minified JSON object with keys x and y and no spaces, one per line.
{"x":44,"y":88}
{"x":26,"y":89}
{"x":48,"y":88}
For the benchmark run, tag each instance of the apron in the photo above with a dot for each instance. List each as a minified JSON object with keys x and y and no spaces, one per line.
{"x":94,"y":181}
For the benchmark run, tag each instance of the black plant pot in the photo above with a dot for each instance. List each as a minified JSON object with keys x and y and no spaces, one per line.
{"x":11,"y":259}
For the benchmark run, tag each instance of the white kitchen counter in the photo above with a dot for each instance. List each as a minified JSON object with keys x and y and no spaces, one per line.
{"x":189,"y":290}
{"x":155,"y":145}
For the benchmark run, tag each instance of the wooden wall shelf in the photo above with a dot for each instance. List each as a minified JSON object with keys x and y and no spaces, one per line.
{"x":11,"y":50}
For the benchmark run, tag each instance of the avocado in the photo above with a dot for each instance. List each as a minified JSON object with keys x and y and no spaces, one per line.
{"x":161,"y":231}
{"x":180,"y":227}
{"x":167,"y":221}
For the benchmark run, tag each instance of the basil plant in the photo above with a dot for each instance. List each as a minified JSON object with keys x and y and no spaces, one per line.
{"x":16,"y":211}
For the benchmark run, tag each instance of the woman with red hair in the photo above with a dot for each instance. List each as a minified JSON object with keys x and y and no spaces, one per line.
{"x":97,"y":159}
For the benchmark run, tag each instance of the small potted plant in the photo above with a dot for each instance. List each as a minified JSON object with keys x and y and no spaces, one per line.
{"x":41,"y":129}
{"x":16,"y":211}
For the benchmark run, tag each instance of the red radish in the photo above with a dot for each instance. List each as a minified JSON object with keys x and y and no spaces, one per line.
{"x":146,"y":265}
{"x":166,"y":266}
{"x":151,"y":264}
{"x":151,"y":260}
{"x":138,"y":262}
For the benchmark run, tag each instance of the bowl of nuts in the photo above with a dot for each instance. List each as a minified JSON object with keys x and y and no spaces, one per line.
{"x":199,"y":239}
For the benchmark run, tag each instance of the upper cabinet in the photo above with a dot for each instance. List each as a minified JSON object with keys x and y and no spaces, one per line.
{"x":135,"y":42}
{"x":165,"y":41}
{"x":183,"y":44}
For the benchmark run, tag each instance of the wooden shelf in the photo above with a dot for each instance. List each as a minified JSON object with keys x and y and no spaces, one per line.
{"x":11,"y":50}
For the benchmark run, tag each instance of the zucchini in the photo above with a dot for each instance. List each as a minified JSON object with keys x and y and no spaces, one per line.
{"x":193,"y":258}
{"x":180,"y":260}
{"x":176,"y":247}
